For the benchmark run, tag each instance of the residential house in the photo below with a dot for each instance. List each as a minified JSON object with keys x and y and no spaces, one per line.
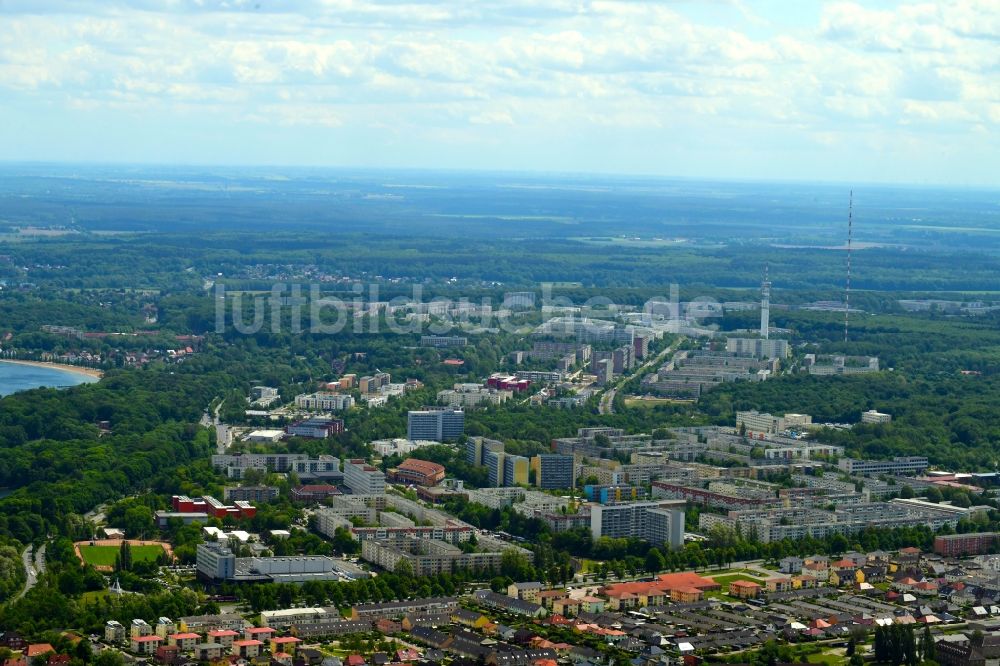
{"x":185,"y":641}
{"x":546,"y":597}
{"x":469,"y":618}
{"x":247,"y":648}
{"x":259,"y":633}
{"x":284,"y":644}
{"x":790,"y":565}
{"x":566,"y":606}
{"x":778,"y":584}
{"x":803,"y":581}
{"x":208,"y":651}
{"x":224,"y":637}
{"x":37,"y":650}
{"x":509,"y":604}
{"x":146,"y":645}
{"x":744,"y":589}
{"x":528,"y":591}
{"x":590,"y":604}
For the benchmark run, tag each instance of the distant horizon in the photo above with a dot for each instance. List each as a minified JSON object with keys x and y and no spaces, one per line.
{"x":484,"y":171}
{"x":839,"y":91}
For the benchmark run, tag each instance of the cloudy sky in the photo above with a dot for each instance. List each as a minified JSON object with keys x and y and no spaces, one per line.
{"x":853,"y":91}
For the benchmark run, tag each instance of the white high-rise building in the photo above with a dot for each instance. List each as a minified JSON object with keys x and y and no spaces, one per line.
{"x":362,"y":478}
{"x":439,"y":425}
{"x":660,"y":522}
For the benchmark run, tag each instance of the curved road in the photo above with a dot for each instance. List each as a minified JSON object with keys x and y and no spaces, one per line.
{"x":607,"y":404}
{"x":32,"y":569}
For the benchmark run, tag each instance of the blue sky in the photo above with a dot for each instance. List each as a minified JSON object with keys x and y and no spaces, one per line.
{"x":785,"y":89}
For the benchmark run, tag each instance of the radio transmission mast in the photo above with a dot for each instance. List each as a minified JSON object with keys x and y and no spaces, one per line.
{"x":765,"y":306}
{"x":847,"y":291}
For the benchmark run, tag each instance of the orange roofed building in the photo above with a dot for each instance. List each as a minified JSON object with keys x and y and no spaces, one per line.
{"x":681,"y":587}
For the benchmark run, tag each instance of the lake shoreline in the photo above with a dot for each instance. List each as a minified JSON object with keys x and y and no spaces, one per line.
{"x":78,"y":369}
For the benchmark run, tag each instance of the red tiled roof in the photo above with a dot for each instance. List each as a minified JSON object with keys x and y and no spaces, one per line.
{"x":662,"y":585}
{"x":36,"y":649}
{"x":421,"y":466}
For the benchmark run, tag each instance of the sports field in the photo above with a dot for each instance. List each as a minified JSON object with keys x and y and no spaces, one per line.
{"x":104,"y":556}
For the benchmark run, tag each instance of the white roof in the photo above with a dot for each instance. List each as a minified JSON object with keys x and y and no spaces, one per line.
{"x":284,"y":612}
{"x":266,"y":434}
{"x":222,"y":535}
{"x":685,"y":647}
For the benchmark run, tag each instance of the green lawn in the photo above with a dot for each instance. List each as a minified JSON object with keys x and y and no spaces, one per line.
{"x":105,"y":555}
{"x":726,"y":579}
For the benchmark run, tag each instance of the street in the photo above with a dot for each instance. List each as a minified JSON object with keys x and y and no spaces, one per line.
{"x":607,"y":404}
{"x":32,"y":569}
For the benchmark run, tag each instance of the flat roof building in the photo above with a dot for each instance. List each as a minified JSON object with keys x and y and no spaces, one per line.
{"x":554,"y":471}
{"x":898,"y":465}
{"x":660,"y":523}
{"x":362,"y":478}
{"x":872,"y":416}
{"x":440,"y":425}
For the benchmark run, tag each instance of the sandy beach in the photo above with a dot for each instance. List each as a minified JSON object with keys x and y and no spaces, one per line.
{"x":78,"y":369}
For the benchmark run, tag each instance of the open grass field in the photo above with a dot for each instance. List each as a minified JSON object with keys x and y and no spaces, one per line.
{"x":105,"y":555}
{"x":832,"y":658}
{"x":726,"y":579}
{"x":94,"y":595}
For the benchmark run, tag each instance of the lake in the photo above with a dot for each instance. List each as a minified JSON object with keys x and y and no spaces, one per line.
{"x":16,"y":377}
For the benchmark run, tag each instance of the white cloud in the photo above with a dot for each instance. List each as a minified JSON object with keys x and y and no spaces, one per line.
{"x":442,"y":68}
